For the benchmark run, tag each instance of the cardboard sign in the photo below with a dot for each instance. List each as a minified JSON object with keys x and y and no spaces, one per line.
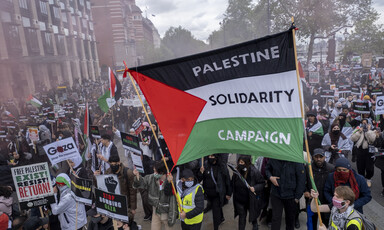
{"x":314,"y":77}
{"x":379,"y":105}
{"x":112,"y":205}
{"x":61,"y":150}
{"x":137,"y":162}
{"x":33,"y":185}
{"x":366,"y":59}
{"x":23,"y":119}
{"x":108,"y":183}
{"x":138,"y":126}
{"x":361,"y":107}
{"x":95,"y":132}
{"x":344,"y":89}
{"x":33,"y":133}
{"x":355,"y":89}
{"x":327,"y":93}
{"x":377,"y":91}
{"x":130,"y":142}
{"x":51,"y":117}
{"x":81,"y":190}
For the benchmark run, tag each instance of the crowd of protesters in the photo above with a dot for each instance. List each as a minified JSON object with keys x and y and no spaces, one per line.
{"x":260,"y":188}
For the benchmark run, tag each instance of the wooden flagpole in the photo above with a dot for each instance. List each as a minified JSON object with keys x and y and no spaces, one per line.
{"x":154,"y":134}
{"x":302,"y":116}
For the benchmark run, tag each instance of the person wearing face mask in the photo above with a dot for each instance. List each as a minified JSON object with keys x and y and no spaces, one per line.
{"x":65,"y":206}
{"x":125,"y":177}
{"x":335,"y":144}
{"x":344,"y":175}
{"x":364,"y":137}
{"x":191,"y":197}
{"x":216,"y":184}
{"x":343,"y":213}
{"x":321,"y":170}
{"x":160,"y":196}
{"x":247,"y":199}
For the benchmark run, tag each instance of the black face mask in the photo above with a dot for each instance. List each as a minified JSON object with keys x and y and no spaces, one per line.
{"x":96,"y":220}
{"x":115,"y":168}
{"x":211,"y":161}
{"x":241,"y":168}
{"x":336,"y":132}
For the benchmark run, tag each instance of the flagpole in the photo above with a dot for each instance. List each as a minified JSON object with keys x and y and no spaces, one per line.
{"x":154,"y":134}
{"x":302,"y":116}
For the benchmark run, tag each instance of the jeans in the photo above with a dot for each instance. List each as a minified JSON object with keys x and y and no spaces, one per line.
{"x":290,"y":208}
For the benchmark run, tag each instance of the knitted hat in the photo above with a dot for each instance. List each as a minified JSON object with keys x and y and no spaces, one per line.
{"x":342,"y":162}
{"x":187,"y":173}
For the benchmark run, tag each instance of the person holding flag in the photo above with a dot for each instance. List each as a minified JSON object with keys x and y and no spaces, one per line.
{"x":247,"y":199}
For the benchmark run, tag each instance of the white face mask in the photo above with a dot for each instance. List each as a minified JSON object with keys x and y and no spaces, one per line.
{"x":189,"y":184}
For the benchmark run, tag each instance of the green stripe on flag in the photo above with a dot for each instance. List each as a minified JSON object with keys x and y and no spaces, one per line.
{"x":102,"y":101}
{"x":279,"y":138}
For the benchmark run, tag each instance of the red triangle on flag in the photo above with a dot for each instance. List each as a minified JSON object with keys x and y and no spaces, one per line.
{"x":112,"y":82}
{"x":175,"y":111}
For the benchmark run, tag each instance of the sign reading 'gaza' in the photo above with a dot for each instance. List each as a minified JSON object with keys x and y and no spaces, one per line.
{"x":61,"y":150}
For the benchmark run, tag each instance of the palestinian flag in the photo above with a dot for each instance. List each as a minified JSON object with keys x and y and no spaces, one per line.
{"x":34,"y":101}
{"x":239,"y":99}
{"x":87,"y":119}
{"x":317,"y":129}
{"x":88,"y":144}
{"x":105,"y":102}
{"x":114,"y":85}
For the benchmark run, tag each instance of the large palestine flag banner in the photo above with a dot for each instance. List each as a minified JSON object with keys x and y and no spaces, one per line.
{"x":238,"y":99}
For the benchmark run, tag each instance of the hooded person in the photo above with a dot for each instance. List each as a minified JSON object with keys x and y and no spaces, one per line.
{"x":191,"y":196}
{"x":315,"y":106}
{"x":335,"y":143}
{"x":247,"y":199}
{"x":65,"y":206}
{"x":44,"y":139}
{"x":336,"y":111}
{"x":345,"y":175}
{"x":315,"y":132}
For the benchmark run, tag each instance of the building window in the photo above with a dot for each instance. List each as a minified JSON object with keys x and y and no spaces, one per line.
{"x":81,"y":2}
{"x":43,"y":8}
{"x":64,"y":17}
{"x":23,"y":4}
{"x":13,"y":39}
{"x":60,"y":44}
{"x":32,"y":42}
{"x":56,"y":12}
{"x":73,"y":20}
{"x":136,"y":17}
{"x":48,"y":45}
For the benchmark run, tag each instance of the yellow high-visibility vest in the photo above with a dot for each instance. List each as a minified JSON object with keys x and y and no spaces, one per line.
{"x":188,"y":204}
{"x":355,"y":221}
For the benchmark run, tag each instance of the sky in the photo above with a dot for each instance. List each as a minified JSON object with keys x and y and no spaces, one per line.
{"x":201,"y":17}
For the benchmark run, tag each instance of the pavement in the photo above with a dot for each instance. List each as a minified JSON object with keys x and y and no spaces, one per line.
{"x":373,"y":210}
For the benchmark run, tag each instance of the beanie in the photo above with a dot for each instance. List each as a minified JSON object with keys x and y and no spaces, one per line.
{"x":342,"y":162}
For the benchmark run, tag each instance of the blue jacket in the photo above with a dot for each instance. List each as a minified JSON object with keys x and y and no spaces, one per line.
{"x":364,"y":196}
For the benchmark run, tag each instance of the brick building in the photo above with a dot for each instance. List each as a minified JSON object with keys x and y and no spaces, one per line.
{"x":45,"y":43}
{"x":120,"y":29}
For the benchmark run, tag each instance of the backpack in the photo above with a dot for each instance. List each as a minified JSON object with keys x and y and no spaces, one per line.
{"x":367,"y":224}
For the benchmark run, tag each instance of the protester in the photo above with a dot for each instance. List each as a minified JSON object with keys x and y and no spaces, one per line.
{"x":160,"y":196}
{"x":216,"y":184}
{"x":247,"y":200}
{"x":108,"y":149}
{"x":191,"y":196}
{"x":70,"y":212}
{"x":288,"y":185}
{"x":343,"y":214}
{"x":345,"y":175}
{"x":321,"y":169}
{"x":335,"y":144}
{"x":314,"y":130}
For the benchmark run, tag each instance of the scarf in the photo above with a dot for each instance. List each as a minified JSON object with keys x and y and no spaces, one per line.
{"x":342,"y":178}
{"x":335,"y":138}
{"x":339,"y":218}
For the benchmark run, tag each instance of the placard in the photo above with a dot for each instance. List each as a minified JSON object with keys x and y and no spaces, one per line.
{"x":130,"y":142}
{"x":33,"y":133}
{"x":355,"y":89}
{"x":361,"y":107}
{"x":327,"y":93}
{"x":344,"y":89}
{"x":108,"y":183}
{"x":95,"y":131}
{"x":112,"y":205}
{"x":377,"y":91}
{"x":62,"y":150}
{"x":314,"y":77}
{"x":3,"y":132}
{"x":51,"y":117}
{"x":81,"y":189}
{"x":33,"y":185}
{"x":138,"y":126}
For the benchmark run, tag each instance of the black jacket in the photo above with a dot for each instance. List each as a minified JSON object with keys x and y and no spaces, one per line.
{"x":319,"y":176}
{"x":292,"y":178}
{"x":223,"y":186}
{"x":255,"y":180}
